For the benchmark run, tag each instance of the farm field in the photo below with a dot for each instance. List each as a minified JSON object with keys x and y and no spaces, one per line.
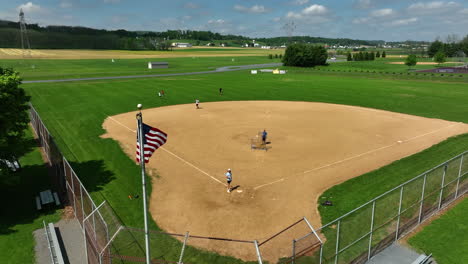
{"x":47,"y":69}
{"x":129,"y":54}
{"x":84,"y":106}
{"x":445,"y":237}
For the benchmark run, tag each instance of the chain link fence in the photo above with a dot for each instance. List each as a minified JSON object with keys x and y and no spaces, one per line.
{"x":367,"y":230}
{"x":352,"y":238}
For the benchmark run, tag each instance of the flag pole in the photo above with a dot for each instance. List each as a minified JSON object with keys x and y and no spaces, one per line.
{"x":139,"y":118}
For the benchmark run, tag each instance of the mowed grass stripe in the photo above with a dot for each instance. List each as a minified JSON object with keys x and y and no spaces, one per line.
{"x":44,"y":69}
{"x":98,"y":99}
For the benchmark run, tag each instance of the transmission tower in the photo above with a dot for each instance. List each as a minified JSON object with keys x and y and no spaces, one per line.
{"x":24,"y":35}
{"x":289,"y":27}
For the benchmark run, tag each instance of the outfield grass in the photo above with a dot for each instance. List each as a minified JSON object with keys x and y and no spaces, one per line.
{"x":42,"y":69}
{"x":84,"y":105}
{"x":446,"y":237}
{"x":19,"y":216}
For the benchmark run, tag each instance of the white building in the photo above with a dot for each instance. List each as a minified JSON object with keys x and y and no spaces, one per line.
{"x":181,"y":45}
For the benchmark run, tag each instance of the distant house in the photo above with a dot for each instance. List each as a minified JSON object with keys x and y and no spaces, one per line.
{"x":158,"y":65}
{"x":181,"y":45}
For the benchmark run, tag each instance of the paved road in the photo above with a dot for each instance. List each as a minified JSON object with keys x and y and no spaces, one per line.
{"x":221,"y":69}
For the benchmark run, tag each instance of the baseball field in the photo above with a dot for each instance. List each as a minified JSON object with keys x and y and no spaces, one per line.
{"x":323,"y":131}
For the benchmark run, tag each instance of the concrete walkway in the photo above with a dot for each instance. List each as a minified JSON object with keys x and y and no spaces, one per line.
{"x":395,"y":254}
{"x":71,"y":241}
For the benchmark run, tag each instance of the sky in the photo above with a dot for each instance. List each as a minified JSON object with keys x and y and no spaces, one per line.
{"x":390,"y":20}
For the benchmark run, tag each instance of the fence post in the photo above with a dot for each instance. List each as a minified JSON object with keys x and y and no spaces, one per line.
{"x":94,"y":224}
{"x":321,"y":253}
{"x":459,"y":176}
{"x":442,"y":186}
{"x":183,"y":248}
{"x":259,"y":256}
{"x":337,"y":241}
{"x":399,"y":213}
{"x":85,"y":244}
{"x":313,"y":230}
{"x":422,"y":199}
{"x":82,"y":205}
{"x":371,"y":231}
{"x":65,"y":164}
{"x":293,"y":251}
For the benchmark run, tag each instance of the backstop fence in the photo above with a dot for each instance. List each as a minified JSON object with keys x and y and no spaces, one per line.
{"x":352,"y":238}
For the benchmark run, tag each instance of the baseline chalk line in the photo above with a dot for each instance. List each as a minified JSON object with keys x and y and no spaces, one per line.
{"x":266,"y":184}
{"x":359,"y":155}
{"x":181,"y":159}
{"x":134,"y":131}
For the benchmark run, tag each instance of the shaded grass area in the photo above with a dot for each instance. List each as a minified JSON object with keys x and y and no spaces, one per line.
{"x":44,"y":69}
{"x":83,"y":106}
{"x":446,"y":237}
{"x":19,"y":216}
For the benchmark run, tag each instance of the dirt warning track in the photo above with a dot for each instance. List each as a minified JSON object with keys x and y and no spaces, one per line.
{"x":314,"y":146}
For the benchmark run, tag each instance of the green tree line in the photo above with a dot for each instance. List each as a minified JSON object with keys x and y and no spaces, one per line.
{"x":450,"y":48}
{"x":76,"y":37}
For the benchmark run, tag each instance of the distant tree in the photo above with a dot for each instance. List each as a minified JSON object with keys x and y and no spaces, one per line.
{"x":281,"y":56}
{"x":270,"y":56}
{"x":435,"y":47}
{"x":384,"y":55}
{"x":276,"y":56}
{"x":440,"y":57}
{"x":366,"y":56}
{"x":349,"y":57}
{"x":13,"y":119}
{"x":377,"y":55}
{"x":372,"y":56}
{"x":411,"y":60}
{"x":305,"y":55}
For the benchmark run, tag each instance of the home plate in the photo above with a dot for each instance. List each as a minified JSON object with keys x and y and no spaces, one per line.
{"x":239,"y":191}
{"x":399,"y":141}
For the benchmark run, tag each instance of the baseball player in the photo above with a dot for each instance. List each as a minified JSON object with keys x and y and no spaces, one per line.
{"x":196,"y":103}
{"x":264,"y":136}
{"x":228,"y":179}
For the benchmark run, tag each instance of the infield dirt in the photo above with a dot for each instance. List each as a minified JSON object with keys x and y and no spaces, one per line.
{"x":314,"y":146}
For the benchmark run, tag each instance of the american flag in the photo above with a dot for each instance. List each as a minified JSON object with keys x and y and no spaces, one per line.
{"x":153,"y":138}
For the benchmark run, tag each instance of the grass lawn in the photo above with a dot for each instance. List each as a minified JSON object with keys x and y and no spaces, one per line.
{"x":84,"y":105}
{"x":44,"y":69}
{"x":446,"y":237}
{"x":19,"y":217}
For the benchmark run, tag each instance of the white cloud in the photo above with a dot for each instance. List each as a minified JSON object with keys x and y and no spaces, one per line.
{"x":216,"y":22}
{"x":258,"y":9}
{"x":313,"y":13}
{"x":382,"y":12}
{"x":464,"y":11}
{"x":363,"y":4}
{"x":29,"y":7}
{"x":315,"y":10}
{"x":433,"y":7}
{"x":361,"y":20}
{"x":403,"y":22}
{"x":277,"y":19}
{"x":191,"y":5}
{"x":111,"y":1}
{"x":65,"y":4}
{"x":300,"y":2}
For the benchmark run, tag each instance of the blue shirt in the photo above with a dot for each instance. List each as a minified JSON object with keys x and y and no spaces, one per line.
{"x":228,"y":176}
